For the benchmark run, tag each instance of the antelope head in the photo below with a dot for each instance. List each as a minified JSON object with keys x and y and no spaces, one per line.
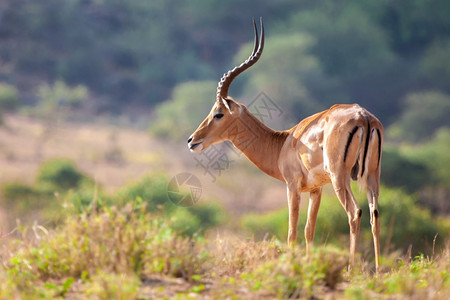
{"x":225,"y":110}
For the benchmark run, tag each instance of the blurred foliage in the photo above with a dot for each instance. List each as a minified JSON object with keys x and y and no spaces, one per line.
{"x":424,"y":114}
{"x":435,"y":65}
{"x":58,"y":98}
{"x":152,"y":190}
{"x":59,"y":184}
{"x":9,"y":97}
{"x":137,"y":52}
{"x":59,"y":174}
{"x":41,"y":202}
{"x":177,"y":118}
{"x":400,"y":171}
{"x":399,"y":230}
{"x":435,"y":154}
{"x":287,"y":59}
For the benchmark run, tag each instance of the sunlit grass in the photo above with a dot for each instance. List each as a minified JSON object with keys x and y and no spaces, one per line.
{"x":128,"y":253}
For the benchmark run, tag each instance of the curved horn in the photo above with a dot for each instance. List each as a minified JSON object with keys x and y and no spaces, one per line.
{"x":227,"y":78}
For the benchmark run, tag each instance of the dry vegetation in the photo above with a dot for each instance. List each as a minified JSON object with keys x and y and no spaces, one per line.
{"x":127,"y":253}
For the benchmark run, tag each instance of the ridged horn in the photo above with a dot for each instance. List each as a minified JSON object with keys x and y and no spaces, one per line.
{"x":227,"y":78}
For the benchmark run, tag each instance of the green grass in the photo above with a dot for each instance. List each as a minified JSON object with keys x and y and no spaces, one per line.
{"x":128,"y":253}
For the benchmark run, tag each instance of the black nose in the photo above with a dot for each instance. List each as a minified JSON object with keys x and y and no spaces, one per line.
{"x":190,"y":139}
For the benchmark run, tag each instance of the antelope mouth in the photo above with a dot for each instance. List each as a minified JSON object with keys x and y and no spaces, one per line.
{"x":195,"y":147}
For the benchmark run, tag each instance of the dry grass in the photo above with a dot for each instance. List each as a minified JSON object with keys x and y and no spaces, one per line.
{"x":127,"y":253}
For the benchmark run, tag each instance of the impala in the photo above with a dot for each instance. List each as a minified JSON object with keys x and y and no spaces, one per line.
{"x":335,"y":145}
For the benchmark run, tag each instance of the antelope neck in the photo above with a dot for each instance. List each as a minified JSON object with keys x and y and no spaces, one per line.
{"x":259,"y":143}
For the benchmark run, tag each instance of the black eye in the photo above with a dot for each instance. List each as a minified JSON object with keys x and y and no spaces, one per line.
{"x":218,"y":116}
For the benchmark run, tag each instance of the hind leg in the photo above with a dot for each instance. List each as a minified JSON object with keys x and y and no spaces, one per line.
{"x":341,"y":185}
{"x":372,"y":197}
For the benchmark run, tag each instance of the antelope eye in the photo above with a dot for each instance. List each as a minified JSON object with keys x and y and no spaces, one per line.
{"x":218,"y":116}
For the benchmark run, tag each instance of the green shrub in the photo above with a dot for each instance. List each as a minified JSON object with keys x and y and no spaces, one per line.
{"x":9,"y":97}
{"x":424,"y":113}
{"x":435,"y":155}
{"x":397,"y":170}
{"x":59,"y":174}
{"x":190,"y":102}
{"x":58,"y":180}
{"x":153,"y":190}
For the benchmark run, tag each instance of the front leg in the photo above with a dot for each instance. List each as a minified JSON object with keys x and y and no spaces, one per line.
{"x":293,"y":194}
{"x":313,"y":208}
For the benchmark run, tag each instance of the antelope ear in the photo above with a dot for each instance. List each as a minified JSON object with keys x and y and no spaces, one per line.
{"x":227,"y":102}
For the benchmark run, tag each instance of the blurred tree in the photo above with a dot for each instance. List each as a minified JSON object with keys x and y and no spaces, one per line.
{"x":415,"y":24}
{"x":189,"y":104}
{"x":354,"y":51}
{"x":435,"y":65}
{"x":55,"y":103}
{"x":400,"y":171}
{"x":133,"y":53}
{"x":59,"y":95}
{"x":284,"y":72}
{"x":435,"y":154}
{"x":9,"y":99}
{"x":424,"y":113}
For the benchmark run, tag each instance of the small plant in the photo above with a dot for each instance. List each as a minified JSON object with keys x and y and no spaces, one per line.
{"x":113,"y":286}
{"x":59,"y":174}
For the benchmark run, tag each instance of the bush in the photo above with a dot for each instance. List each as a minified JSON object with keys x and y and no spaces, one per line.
{"x":177,"y":118}
{"x":153,"y":191}
{"x":59,"y":174}
{"x":57,"y":180}
{"x":424,"y":114}
{"x":397,"y":170}
{"x":9,"y":97}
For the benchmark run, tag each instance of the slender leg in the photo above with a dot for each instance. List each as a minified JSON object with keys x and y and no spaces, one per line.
{"x":342,"y":188}
{"x":293,"y":203}
{"x":313,"y":209}
{"x":372,"y":197}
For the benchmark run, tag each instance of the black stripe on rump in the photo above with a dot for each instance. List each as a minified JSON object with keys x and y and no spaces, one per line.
{"x":379,"y":147}
{"x":366,"y":146}
{"x":349,"y":140}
